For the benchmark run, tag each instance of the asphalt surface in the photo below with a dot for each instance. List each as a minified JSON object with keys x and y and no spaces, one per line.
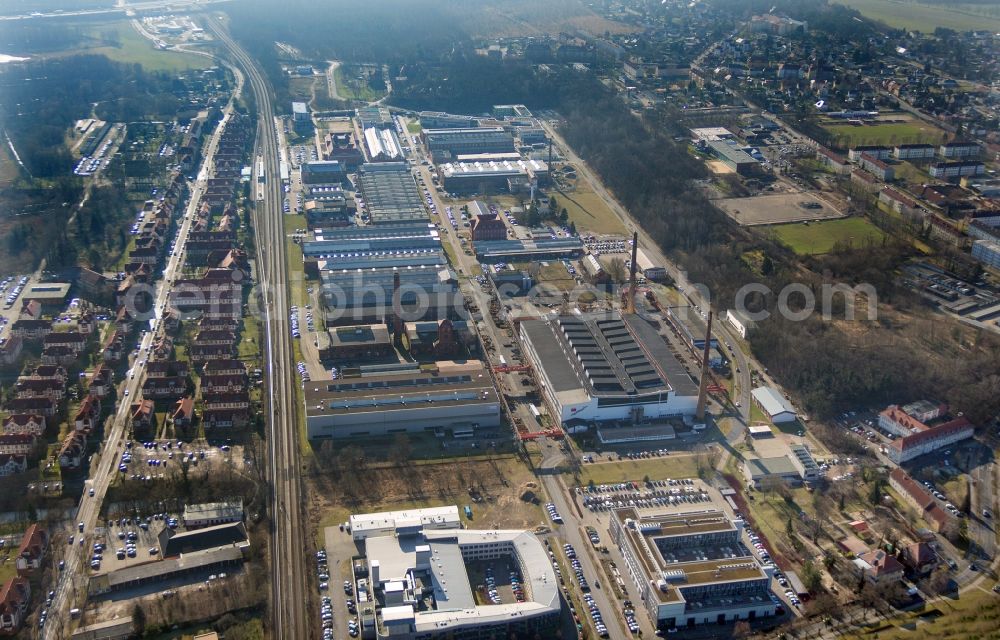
{"x":290,"y":598}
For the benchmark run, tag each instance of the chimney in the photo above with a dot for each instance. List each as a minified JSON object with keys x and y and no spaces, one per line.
{"x":630,"y":300}
{"x":703,"y":384}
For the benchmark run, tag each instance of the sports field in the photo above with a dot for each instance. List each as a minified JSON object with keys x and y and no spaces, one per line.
{"x":911,"y":132}
{"x":926,"y":16}
{"x":821,"y":237}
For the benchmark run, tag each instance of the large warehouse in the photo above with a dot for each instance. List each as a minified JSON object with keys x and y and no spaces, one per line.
{"x":495,"y":175}
{"x":419,"y":570}
{"x":604,"y":366}
{"x":691,"y":568}
{"x":473,"y":140}
{"x":342,"y":242}
{"x":390,"y":193}
{"x":388,"y":399}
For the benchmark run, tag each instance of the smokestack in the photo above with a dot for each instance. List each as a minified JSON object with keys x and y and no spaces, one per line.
{"x":703,"y":385}
{"x":550,"y":154}
{"x":630,"y":302}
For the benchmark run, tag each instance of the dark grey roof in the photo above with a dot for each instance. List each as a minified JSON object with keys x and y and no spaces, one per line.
{"x":173,"y":544}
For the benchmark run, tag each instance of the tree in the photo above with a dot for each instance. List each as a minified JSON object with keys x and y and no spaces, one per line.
{"x":139,"y":619}
{"x":616,"y":270}
{"x":811,"y":576}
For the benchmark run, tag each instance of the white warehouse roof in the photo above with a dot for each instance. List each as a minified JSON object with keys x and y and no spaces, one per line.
{"x":771,"y":401}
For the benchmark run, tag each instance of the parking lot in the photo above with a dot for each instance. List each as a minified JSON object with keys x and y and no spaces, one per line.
{"x":676,"y":495}
{"x":153,"y":460}
{"x":127,"y":542}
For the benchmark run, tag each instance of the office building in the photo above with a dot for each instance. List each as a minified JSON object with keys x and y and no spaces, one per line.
{"x":417,"y":567}
{"x":689,"y":569}
{"x":442,"y":120}
{"x":987,"y":252}
{"x":603,"y":367}
{"x":381,"y":400}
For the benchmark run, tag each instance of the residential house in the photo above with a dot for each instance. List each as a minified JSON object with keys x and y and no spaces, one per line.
{"x":31,"y":329}
{"x":40,"y":388}
{"x":166,"y":388}
{"x":167,"y":369}
{"x":73,"y":449}
{"x":101,"y":382}
{"x":222,"y":384}
{"x":10,"y":351}
{"x":833,"y":161}
{"x":88,"y":414}
{"x":17,"y":444}
{"x":59,"y":354}
{"x":11,"y":464}
{"x":879,"y":566}
{"x":72,"y":339}
{"x":876,"y":167}
{"x":224,"y":418}
{"x":917,"y":497}
{"x":24,"y":424}
{"x":49,"y":372}
{"x":143,"y":415}
{"x":238,"y":400}
{"x":919,"y":557}
{"x":14,"y":597}
{"x":34,"y":544}
{"x":46,"y":407}
{"x":183,"y":413}
{"x":224,"y":366}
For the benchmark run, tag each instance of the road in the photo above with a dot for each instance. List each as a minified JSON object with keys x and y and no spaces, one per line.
{"x":553,"y":458}
{"x":71,"y":586}
{"x":289,"y":597}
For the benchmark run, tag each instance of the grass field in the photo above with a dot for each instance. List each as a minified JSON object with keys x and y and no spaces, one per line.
{"x":350,"y":88}
{"x":975,"y":614}
{"x":589,"y":212}
{"x":849,"y":135}
{"x":821,"y":237}
{"x":926,"y":17}
{"x":672,"y":466}
{"x":121,"y":43}
{"x":9,"y":171}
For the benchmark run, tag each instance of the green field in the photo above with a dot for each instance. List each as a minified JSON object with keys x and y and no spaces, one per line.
{"x":926,"y":17}
{"x":821,"y":237}
{"x":848,"y":135}
{"x":120,"y":42}
{"x":350,"y":88}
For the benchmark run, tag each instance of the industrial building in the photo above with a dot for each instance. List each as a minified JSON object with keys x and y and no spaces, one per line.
{"x":774,"y":406}
{"x":382,"y":145}
{"x":382,"y":400}
{"x":390,"y":193}
{"x":427,"y":290}
{"x":416,"y":563}
{"x":479,"y":176}
{"x":442,"y":120}
{"x":377,"y":117}
{"x":604,"y":367}
{"x":741,"y":322}
{"x":323,"y":172}
{"x":522,"y":250}
{"x":472,"y":140}
{"x":691,"y":568}
{"x":368,"y":342}
{"x":388,"y":240}
{"x":794,"y":467}
{"x":733,"y":157}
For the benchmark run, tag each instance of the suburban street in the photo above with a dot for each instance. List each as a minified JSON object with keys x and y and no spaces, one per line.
{"x":290,"y":599}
